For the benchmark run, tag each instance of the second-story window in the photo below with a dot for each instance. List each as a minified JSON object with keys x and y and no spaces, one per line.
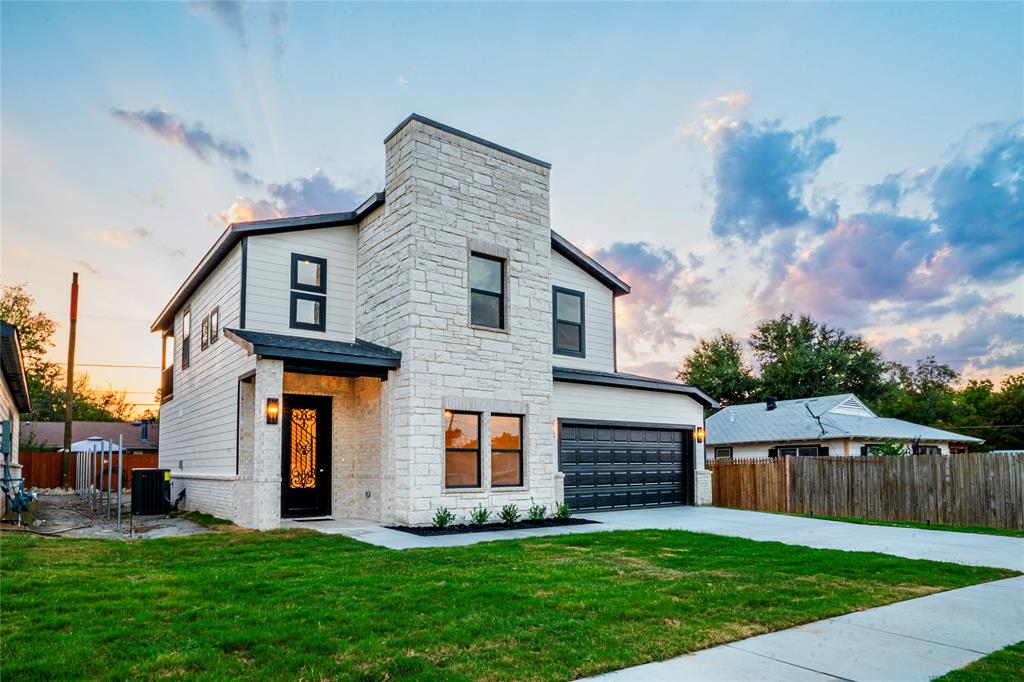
{"x":186,"y":338}
{"x":204,"y":333}
{"x":214,"y":324}
{"x":308,"y":297}
{"x":487,"y":291}
{"x":568,"y":322}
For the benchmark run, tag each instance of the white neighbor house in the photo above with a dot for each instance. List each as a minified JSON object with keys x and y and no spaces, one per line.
{"x":826,"y":426}
{"x":438,"y":346}
{"x":14,"y":397}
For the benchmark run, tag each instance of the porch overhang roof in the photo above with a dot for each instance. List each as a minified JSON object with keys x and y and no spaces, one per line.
{"x":633,"y":381}
{"x":300,"y":351}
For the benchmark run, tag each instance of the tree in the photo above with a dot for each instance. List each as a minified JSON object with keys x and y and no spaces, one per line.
{"x":717,"y":366}
{"x":46,"y":380}
{"x":800,"y":358}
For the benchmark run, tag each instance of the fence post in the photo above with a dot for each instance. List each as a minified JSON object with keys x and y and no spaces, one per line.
{"x":120,"y":474}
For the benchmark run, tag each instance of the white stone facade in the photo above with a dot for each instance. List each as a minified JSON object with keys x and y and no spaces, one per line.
{"x":403,"y":283}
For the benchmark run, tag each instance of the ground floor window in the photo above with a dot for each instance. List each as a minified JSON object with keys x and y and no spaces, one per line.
{"x":798,"y":451}
{"x":929,"y":450}
{"x":723,"y":453}
{"x":461,"y":449}
{"x":506,"y":450}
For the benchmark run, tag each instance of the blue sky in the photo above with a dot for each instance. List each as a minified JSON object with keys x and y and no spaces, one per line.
{"x":717,"y":154}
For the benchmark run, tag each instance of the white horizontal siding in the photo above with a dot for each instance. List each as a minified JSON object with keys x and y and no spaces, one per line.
{"x":268,"y":281}
{"x":598,"y":317}
{"x":8,"y":410}
{"x":198,"y":425}
{"x":610,"y":403}
{"x":837,"y":447}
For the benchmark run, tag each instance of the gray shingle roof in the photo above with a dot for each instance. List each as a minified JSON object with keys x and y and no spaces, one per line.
{"x":826,"y":417}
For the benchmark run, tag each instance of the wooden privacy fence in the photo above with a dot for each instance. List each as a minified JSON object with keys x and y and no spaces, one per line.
{"x":959,"y":490}
{"x":44,"y":469}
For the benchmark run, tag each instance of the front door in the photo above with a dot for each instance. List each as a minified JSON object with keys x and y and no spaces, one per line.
{"x":306,"y":456}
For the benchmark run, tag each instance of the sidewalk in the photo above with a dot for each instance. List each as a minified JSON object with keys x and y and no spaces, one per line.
{"x":916,"y":639}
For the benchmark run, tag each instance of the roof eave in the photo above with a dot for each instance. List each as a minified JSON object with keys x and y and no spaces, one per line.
{"x":581,"y":260}
{"x":572,"y":376}
{"x":14,"y":367}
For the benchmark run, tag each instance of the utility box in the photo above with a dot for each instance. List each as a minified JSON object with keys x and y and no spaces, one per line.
{"x":151,"y":491}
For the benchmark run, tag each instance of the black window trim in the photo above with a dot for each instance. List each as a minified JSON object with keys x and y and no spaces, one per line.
{"x":204,"y":333}
{"x":293,"y":323}
{"x":501,"y":297}
{"x":582,"y":324}
{"x":186,"y":337}
{"x":478,"y":450}
{"x":214,"y":314}
{"x":521,"y":451}
{"x":322,"y":262}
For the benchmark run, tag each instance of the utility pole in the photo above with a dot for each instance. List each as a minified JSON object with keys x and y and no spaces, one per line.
{"x":69,"y":393}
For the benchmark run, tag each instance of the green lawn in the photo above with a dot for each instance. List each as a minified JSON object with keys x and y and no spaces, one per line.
{"x":983,"y":530}
{"x":1006,"y":664}
{"x":296,"y":604}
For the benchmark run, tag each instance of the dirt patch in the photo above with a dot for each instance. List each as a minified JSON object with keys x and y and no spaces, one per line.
{"x":69,"y":516}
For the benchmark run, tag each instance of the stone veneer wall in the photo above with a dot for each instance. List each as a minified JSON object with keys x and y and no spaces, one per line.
{"x":447,"y":196}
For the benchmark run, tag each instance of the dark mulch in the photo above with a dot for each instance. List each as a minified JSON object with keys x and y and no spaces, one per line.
{"x":488,"y":527}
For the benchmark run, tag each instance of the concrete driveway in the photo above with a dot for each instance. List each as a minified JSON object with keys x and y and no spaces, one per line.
{"x":962,"y":548}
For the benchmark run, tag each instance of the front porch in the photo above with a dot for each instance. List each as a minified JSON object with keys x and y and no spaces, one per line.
{"x":310,"y":430}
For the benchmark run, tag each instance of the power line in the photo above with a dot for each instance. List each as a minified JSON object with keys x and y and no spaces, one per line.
{"x":100,"y":364}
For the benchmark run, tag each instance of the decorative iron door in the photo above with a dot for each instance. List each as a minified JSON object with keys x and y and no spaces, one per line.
{"x":306,"y":456}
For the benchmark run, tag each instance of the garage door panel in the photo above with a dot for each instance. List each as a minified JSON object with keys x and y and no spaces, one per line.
{"x":620,"y":467}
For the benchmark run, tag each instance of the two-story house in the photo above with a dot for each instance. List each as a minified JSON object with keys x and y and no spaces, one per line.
{"x":437,"y":346}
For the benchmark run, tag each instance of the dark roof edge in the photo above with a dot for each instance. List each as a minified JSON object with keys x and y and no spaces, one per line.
{"x":588,"y":264}
{"x":466,"y":136}
{"x":627,"y":381}
{"x":235,"y":231}
{"x":22,"y":400}
{"x":284,"y":353}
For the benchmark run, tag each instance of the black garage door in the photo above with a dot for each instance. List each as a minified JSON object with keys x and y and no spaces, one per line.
{"x":619,"y":466}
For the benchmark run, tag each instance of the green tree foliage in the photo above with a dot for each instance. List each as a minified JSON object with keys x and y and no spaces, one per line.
{"x":47,"y":380}
{"x":800,"y":358}
{"x":717,"y":366}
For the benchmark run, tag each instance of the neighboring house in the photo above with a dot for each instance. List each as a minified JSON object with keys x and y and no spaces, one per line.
{"x":14,"y":397}
{"x":139,"y":437}
{"x":830,"y":425}
{"x":438,"y":346}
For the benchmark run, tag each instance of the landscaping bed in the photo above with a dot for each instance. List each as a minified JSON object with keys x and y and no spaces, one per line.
{"x":490,"y":527}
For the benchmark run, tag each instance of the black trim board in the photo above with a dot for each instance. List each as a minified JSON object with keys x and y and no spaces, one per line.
{"x":574,"y":255}
{"x":13,"y":366}
{"x":631,"y":381}
{"x":464,"y":135}
{"x":628,"y":425}
{"x":245,"y":277}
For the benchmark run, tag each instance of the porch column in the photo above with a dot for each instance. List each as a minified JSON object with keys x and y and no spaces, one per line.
{"x":266,"y":473}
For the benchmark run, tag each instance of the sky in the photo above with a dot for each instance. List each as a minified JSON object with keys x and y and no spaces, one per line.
{"x":862,"y":163}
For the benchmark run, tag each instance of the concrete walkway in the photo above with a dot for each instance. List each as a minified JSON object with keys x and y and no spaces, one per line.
{"x":912,"y":640}
{"x":961,"y":548}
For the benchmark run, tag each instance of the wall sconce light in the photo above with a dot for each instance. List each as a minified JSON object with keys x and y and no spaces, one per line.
{"x":699,"y":433}
{"x":272,"y":410}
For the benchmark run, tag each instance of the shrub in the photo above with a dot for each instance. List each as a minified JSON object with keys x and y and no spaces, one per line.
{"x":509,"y":514}
{"x":537,"y":512}
{"x":563,"y":511}
{"x":443,"y":517}
{"x":479,"y":516}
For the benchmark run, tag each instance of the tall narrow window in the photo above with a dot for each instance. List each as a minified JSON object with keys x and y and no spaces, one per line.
{"x":461,"y":449}
{"x":308,"y":303}
{"x":186,"y":337}
{"x":487,"y":291}
{"x":569,"y":322}
{"x":214,"y":324}
{"x":506,"y":450}
{"x":204,"y":333}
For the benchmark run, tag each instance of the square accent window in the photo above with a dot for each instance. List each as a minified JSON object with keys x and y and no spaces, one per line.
{"x":214,"y":324}
{"x":204,"y":333}
{"x":723,"y":453}
{"x":506,"y":450}
{"x":487,"y":291}
{"x":186,"y":338}
{"x":461,"y":449}
{"x":568,"y":307}
{"x":309,"y":273}
{"x":308,"y":311}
